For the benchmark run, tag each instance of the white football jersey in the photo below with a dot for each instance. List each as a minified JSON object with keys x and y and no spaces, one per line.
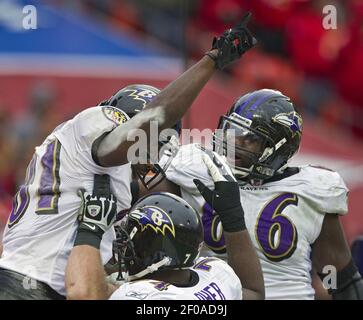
{"x":217,"y":281}
{"x":284,"y":218}
{"x":42,"y":225}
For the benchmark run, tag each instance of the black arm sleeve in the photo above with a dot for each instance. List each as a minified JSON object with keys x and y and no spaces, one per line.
{"x":349,"y":284}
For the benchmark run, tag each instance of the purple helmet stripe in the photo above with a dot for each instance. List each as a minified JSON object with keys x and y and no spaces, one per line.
{"x":243,"y":106}
{"x":263,"y":98}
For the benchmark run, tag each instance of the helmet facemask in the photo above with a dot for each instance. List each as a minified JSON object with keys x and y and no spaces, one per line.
{"x":250,"y":150}
{"x":130,"y":265}
{"x":158,"y":233}
{"x":152,"y":173}
{"x":123,"y":250}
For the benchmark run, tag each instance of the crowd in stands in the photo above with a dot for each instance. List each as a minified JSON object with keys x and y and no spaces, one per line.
{"x":317,"y":67}
{"x":19,"y":136}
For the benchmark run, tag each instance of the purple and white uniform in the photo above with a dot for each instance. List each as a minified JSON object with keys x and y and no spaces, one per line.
{"x":42,"y":226}
{"x":217,"y":281}
{"x":284,"y":218}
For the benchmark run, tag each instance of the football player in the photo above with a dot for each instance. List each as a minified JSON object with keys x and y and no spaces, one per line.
{"x":292,"y":213}
{"x":42,"y":226}
{"x":157,"y":250}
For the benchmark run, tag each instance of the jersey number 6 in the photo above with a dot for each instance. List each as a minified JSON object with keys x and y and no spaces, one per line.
{"x":275,"y":233}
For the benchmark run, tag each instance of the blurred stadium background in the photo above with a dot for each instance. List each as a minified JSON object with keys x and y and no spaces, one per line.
{"x":83,"y":51}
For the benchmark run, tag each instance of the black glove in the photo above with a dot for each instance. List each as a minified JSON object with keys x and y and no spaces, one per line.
{"x":225,"y":199}
{"x":233,"y":43}
{"x":97,"y":212}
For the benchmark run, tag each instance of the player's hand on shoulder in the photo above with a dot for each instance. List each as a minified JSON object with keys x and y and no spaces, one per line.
{"x":225,"y":198}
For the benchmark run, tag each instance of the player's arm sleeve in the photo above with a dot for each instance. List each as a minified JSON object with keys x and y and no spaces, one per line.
{"x":349,"y":283}
{"x":81,"y":134}
{"x":93,"y":124}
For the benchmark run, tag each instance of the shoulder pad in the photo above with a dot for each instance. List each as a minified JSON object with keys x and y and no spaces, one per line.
{"x":187,"y":165}
{"x":326,"y":189}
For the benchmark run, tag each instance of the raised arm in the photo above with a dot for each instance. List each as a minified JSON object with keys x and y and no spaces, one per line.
{"x":242,"y":256}
{"x":172,"y":102}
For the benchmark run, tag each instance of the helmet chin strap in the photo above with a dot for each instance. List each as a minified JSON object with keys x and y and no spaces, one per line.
{"x":150,"y":269}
